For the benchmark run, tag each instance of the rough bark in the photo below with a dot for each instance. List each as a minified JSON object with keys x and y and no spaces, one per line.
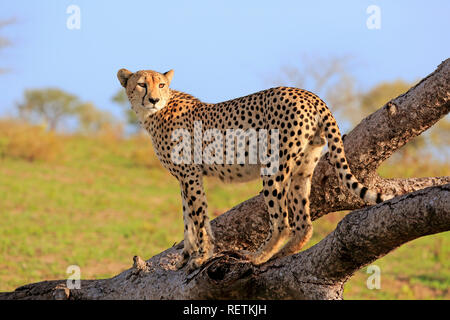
{"x":317,"y":273}
{"x":321,"y":271}
{"x":378,"y":136}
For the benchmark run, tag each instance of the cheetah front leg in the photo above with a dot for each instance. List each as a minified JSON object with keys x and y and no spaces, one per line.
{"x":198,"y":238}
{"x":190,"y":245}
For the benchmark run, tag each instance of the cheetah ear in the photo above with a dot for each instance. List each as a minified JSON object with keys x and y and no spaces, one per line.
{"x":123,"y":75}
{"x":169,"y":75}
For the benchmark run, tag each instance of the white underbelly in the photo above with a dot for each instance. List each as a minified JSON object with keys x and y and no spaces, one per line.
{"x":233,"y":173}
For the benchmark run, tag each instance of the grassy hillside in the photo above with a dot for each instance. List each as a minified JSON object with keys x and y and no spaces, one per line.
{"x":98,"y":201}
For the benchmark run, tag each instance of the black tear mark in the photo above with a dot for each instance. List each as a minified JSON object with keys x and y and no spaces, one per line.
{"x":143,"y":98}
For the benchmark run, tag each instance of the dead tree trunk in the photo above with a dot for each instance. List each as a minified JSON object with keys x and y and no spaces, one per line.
{"x":321,"y":271}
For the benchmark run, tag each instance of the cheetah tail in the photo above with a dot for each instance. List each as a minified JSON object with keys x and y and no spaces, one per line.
{"x":339,"y":160}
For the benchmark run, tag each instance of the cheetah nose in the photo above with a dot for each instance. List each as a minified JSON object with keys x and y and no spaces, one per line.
{"x":154,"y":101}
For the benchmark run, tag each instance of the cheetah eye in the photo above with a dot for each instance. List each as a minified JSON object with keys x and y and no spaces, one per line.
{"x":161,"y":85}
{"x":143,"y":85}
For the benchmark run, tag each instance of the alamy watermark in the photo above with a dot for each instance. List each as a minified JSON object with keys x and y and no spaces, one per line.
{"x":235,"y":146}
{"x":373,"y":22}
{"x":73,"y":21}
{"x":374,"y":280}
{"x":73,"y":281}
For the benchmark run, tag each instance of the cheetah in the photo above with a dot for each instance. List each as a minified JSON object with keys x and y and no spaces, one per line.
{"x":303,"y":125}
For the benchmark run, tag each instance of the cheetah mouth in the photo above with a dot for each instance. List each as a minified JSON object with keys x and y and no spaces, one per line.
{"x":151,"y":107}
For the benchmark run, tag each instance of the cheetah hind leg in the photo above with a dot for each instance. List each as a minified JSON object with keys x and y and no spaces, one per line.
{"x":298,"y":198}
{"x":301,"y":225}
{"x":279,"y":231}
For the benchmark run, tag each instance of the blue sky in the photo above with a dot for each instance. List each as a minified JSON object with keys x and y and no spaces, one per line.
{"x":218,"y":49}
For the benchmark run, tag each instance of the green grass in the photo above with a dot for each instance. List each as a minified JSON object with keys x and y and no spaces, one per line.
{"x":97,"y":205}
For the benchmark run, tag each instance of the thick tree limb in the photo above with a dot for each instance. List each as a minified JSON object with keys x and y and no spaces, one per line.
{"x":377,"y":137}
{"x":317,"y":273}
{"x":321,"y":271}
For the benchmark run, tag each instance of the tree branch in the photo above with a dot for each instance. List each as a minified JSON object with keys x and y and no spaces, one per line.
{"x":370,"y":233}
{"x":317,"y":273}
{"x":321,"y":271}
{"x":377,"y":137}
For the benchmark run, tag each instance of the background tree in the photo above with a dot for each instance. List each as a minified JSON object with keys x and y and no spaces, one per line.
{"x":50,"y":106}
{"x":91,"y":119}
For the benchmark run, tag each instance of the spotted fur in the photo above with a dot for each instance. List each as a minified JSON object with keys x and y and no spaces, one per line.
{"x":305,"y":125}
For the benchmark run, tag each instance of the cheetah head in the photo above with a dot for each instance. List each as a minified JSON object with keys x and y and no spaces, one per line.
{"x":148,"y":91}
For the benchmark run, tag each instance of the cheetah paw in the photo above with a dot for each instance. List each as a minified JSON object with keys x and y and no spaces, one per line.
{"x":196,"y":262}
{"x":184,"y":258}
{"x":254,"y":257}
